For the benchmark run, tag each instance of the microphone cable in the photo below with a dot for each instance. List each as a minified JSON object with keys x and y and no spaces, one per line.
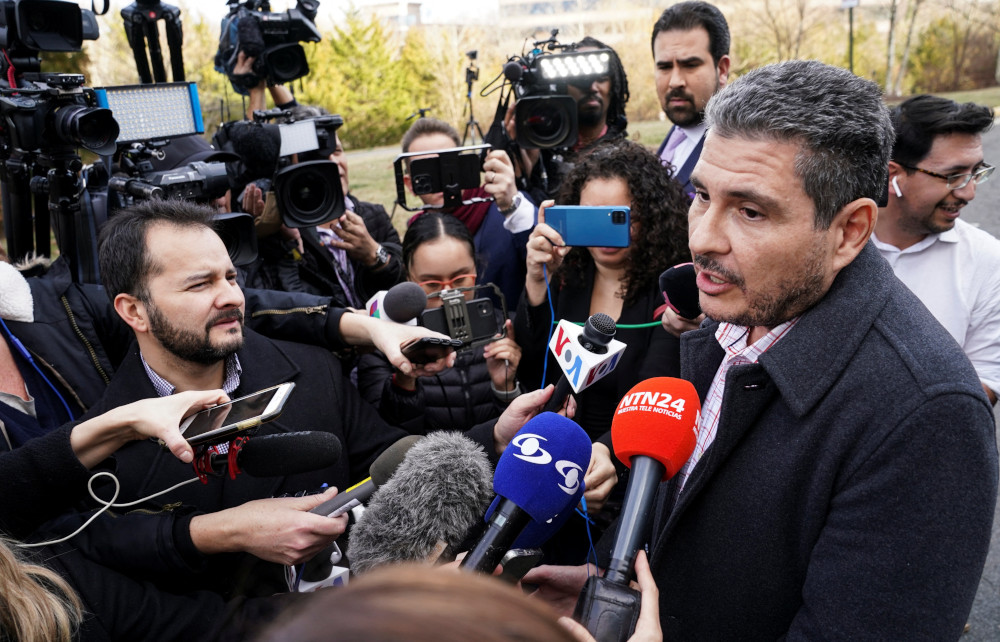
{"x":105,"y":505}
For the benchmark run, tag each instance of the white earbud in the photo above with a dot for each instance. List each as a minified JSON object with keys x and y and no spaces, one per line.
{"x":895,"y":187}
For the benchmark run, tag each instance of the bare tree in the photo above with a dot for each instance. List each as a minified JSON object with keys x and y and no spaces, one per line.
{"x":891,"y":52}
{"x":905,"y":61}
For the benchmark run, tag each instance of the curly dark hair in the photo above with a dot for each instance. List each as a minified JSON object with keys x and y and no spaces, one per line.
{"x":659,"y":206}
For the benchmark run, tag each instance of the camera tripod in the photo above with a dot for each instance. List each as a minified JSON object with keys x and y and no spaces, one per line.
{"x":140,"y":28}
{"x":471,"y":125}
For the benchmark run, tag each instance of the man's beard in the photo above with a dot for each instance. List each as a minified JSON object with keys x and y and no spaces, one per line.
{"x":686,"y":116}
{"x":589,"y":118}
{"x":794,"y":295}
{"x":190,"y":346}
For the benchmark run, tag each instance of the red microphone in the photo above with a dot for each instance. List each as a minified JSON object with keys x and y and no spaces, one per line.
{"x":653,"y":432}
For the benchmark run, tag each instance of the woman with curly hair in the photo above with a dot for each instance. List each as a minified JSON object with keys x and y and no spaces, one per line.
{"x":620,"y":282}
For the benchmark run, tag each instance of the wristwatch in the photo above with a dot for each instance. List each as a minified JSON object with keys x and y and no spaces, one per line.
{"x":514,"y":204}
{"x":381,"y":257}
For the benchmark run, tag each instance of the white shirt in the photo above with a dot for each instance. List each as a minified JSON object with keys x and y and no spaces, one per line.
{"x":692,"y":136}
{"x":956,"y":274}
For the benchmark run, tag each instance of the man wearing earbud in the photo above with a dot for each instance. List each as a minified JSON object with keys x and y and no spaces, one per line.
{"x":952,"y":266}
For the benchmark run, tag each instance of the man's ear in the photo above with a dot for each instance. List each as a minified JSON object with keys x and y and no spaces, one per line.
{"x":852,"y":227}
{"x":723,"y":69}
{"x":408,"y":183}
{"x":132,"y":311}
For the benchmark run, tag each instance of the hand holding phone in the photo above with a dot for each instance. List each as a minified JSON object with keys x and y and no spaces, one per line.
{"x":428,"y":349}
{"x":223,"y":422}
{"x":590,"y":226}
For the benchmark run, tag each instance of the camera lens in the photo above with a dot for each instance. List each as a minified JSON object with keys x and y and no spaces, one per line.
{"x":544,"y":122}
{"x":422,"y":184}
{"x":618,"y":217}
{"x":90,"y":127}
{"x":309,"y":193}
{"x":286,"y":63}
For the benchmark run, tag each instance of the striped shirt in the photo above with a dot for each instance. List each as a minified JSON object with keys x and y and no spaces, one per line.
{"x":733,"y":339}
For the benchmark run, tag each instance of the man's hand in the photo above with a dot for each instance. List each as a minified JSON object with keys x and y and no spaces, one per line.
{"x":559,"y":586}
{"x":355,"y":239}
{"x":676,"y":325}
{"x":647,"y":629}
{"x":518,"y":413}
{"x":502,"y":358}
{"x":545,"y":248}
{"x":499,"y":178}
{"x":280,"y":529}
{"x":600,"y":478}
{"x":252,"y":201}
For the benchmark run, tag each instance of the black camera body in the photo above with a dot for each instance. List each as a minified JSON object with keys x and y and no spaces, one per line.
{"x":199,"y":181}
{"x":308,"y":192}
{"x":44,"y":118}
{"x":57,"y":115}
{"x":271,"y":38}
{"x":546,"y":115}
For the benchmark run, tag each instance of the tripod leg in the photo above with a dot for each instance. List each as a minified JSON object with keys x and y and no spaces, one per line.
{"x":175,"y":38}
{"x":137,"y":41}
{"x":155,"y":54}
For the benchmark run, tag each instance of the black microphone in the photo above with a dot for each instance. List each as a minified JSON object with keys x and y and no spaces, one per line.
{"x":598,"y":331}
{"x":680,"y":291}
{"x":404,"y":301}
{"x":424,"y":513}
{"x":380,"y":470}
{"x":279,"y":454}
{"x":250,"y":37}
{"x":513,"y":71}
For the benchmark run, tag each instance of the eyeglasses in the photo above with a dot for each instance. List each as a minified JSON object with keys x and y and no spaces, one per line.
{"x":958,"y":181}
{"x":460,"y":281}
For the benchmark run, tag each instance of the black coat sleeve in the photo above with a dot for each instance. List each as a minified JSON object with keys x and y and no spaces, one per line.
{"x":295,"y":316}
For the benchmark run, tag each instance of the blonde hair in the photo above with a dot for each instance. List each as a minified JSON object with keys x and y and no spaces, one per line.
{"x":36,"y":605}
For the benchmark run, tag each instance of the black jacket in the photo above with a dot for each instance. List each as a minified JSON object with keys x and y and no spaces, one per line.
{"x":649,"y":352}
{"x":452,"y":400}
{"x":850,"y":489}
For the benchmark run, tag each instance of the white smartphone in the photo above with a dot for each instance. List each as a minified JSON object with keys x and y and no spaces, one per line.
{"x":221,"y":423}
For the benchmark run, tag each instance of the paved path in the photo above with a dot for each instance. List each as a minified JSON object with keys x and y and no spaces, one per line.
{"x":984,"y":623}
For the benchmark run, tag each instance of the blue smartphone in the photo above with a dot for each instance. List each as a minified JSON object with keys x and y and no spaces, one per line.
{"x":590,"y":226}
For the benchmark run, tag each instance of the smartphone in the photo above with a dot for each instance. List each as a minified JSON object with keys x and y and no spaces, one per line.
{"x":480,"y":324}
{"x":427,"y":349}
{"x":590,"y":226}
{"x":221,"y":423}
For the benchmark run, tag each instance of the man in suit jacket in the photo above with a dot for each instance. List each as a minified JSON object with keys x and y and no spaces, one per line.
{"x":691,"y":52}
{"x":845,"y":474}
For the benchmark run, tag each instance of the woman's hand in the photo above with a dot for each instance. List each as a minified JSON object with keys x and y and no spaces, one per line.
{"x":498,"y":178}
{"x":545,"y":248}
{"x":600,"y":478}
{"x":502,"y":358}
{"x":160,"y":418}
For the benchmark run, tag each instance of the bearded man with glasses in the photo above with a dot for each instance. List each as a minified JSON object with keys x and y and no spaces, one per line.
{"x":952,"y":266}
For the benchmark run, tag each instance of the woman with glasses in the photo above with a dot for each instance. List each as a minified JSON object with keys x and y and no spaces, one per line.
{"x":620,"y":282}
{"x":439,"y":255}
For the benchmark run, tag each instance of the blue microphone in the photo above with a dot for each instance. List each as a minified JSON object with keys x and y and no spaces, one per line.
{"x":539,"y":477}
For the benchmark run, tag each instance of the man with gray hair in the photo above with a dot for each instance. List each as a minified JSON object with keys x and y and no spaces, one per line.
{"x":845,"y":473}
